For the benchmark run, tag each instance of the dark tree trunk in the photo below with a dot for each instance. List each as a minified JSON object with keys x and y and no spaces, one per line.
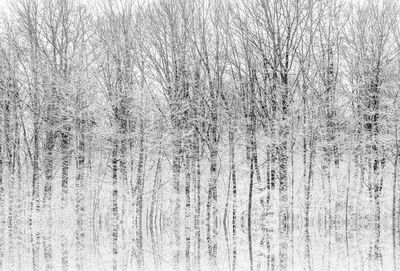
{"x":10,"y":157}
{"x":123,"y":154}
{"x":155,"y":194}
{"x":394,"y":192}
{"x":188,"y":180}
{"x":234,"y":194}
{"x":115,"y":221}
{"x":35,"y":203}
{"x":196,"y":177}
{"x":48,"y":163}
{"x":253,"y":165}
{"x":249,"y":209}
{"x":65,"y":139}
{"x":307,"y":187}
{"x":2,"y":194}
{"x":283,"y":175}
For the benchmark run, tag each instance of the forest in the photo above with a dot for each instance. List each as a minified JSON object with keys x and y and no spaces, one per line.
{"x":199,"y":135}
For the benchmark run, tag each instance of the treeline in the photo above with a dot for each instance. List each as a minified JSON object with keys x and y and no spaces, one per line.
{"x":100,"y":101}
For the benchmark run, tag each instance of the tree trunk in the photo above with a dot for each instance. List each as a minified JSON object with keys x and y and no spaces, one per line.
{"x":123,"y":157}
{"x":80,"y":167}
{"x":2,"y":194}
{"x":188,"y":228}
{"x":115,"y":221}
{"x":249,"y":209}
{"x":65,"y":165}
{"x":9,"y":156}
{"x":283,"y":180}
{"x":155,"y":194}
{"x":309,"y":181}
{"x":196,"y":177}
{"x":176,"y":170}
{"x":48,"y":162}
{"x":139,"y":198}
{"x":35,"y":203}
{"x":394,"y":192}
{"x":234,"y":193}
{"x":212,"y":213}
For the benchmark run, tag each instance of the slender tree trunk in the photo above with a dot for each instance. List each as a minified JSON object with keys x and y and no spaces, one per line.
{"x":394,"y":192}
{"x":48,"y":165}
{"x":65,"y":165}
{"x":115,"y":203}
{"x":35,"y":251}
{"x":176,"y":170}
{"x":332,"y":150}
{"x":234,"y":193}
{"x":64,"y":250}
{"x":123,"y":159}
{"x":188,"y":228}
{"x":253,"y":166}
{"x":35,"y":203}
{"x":309,"y":181}
{"x":212,"y":213}
{"x":2,"y":194}
{"x":48,"y":249}
{"x":80,"y":166}
{"x":249,"y":209}
{"x":292,"y":184}
{"x":19,"y":213}
{"x":139,"y":201}
{"x":306,"y":135}
{"x":196,"y":176}
{"x":347,"y":196}
{"x":156,"y":187}
{"x":283,"y":183}
{"x":307,"y":250}
{"x":10,"y":155}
